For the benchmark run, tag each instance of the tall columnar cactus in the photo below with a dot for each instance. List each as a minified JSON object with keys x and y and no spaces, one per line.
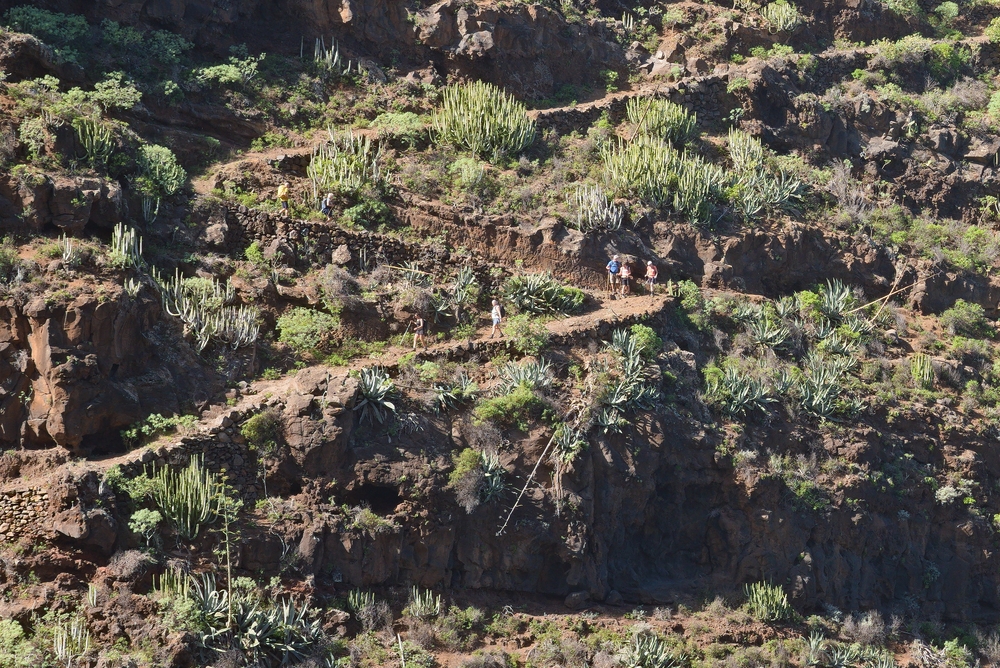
{"x":346,"y":163}
{"x":126,"y":248}
{"x":594,"y":211}
{"x":480,"y":118}
{"x":661,"y":118}
{"x":203,"y":307}
{"x":190,"y":498}
{"x":96,"y":140}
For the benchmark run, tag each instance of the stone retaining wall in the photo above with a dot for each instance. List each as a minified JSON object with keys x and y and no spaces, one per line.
{"x":22,"y":513}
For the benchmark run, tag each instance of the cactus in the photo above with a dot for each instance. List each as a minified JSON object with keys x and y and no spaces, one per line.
{"x":126,"y":248}
{"x":329,"y":59}
{"x":346,"y":163}
{"x":922,"y":371}
{"x":69,"y":644}
{"x":768,"y":602}
{"x":132,"y":287}
{"x":757,"y":189}
{"x":203,"y":307}
{"x":781,"y":16}
{"x":480,"y":118}
{"x":96,"y":139}
{"x":594,"y":211}
{"x":190,"y":499}
{"x":423,"y":604}
{"x":661,"y":118}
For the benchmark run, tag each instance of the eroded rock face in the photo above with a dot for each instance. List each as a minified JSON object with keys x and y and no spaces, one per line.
{"x":68,"y":203}
{"x":92,"y":366}
{"x":527,"y":48}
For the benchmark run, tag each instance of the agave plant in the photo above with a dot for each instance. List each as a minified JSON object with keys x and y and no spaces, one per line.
{"x":460,"y":392}
{"x":786,"y":307}
{"x":647,"y":650}
{"x":533,"y":374}
{"x":766,"y":333}
{"x":835,"y":299}
{"x":739,"y":393}
{"x":819,"y":390}
{"x":569,"y":443}
{"x":542,"y":294}
{"x":492,"y":487}
{"x":661,"y":118}
{"x":480,"y":118}
{"x":277,"y":636}
{"x":375,"y":388}
{"x":816,"y":653}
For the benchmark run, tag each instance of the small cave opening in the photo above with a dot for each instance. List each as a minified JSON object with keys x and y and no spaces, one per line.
{"x":380,"y":498}
{"x":103,"y":443}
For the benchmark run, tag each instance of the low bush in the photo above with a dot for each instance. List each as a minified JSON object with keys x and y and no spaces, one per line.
{"x":306,"y":330}
{"x":526,"y":334}
{"x":967,"y":319}
{"x":263,"y":431}
{"x":517,"y":409}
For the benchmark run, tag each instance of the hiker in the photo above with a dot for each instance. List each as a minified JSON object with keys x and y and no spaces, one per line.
{"x":326,"y":207}
{"x":614,"y":268}
{"x":418,"y":331}
{"x":497,"y":315}
{"x":651,"y":276}
{"x":284,"y":195}
{"x":625,"y":276}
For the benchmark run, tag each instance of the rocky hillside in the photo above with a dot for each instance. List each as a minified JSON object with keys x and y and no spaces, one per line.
{"x":223,"y":223}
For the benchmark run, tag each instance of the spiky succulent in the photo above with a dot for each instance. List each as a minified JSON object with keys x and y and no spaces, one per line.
{"x":480,"y":118}
{"x":375,"y":388}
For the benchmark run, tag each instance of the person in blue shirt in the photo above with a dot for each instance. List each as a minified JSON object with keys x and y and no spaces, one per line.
{"x":614,"y":269}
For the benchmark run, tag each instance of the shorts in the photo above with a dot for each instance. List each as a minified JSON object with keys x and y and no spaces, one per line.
{"x":284,"y":204}
{"x":326,"y":211}
{"x":496,"y":321}
{"x":614,"y":279}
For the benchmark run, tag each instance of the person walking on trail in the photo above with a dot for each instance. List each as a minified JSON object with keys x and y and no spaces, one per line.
{"x":626,"y":277}
{"x":284,"y":195}
{"x":497,"y":315}
{"x":326,"y":207}
{"x":418,"y":332}
{"x":614,"y":269}
{"x":651,"y":273}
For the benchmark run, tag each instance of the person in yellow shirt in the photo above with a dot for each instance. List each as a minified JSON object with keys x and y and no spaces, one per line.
{"x":284,"y":195}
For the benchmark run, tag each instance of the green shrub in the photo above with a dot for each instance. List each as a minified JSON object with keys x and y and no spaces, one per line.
{"x":528,"y":336}
{"x":404,"y":125}
{"x":518,"y":408}
{"x":160,"y":174}
{"x":369,"y":212}
{"x":967,"y":319}
{"x":65,"y":33}
{"x":306,"y":330}
{"x":464,"y":461}
{"x":154,"y":425}
{"x":146,"y":523}
{"x":992,"y":31}
{"x":648,"y":342}
{"x":254,"y":254}
{"x":480,"y":118}
{"x":263,"y":431}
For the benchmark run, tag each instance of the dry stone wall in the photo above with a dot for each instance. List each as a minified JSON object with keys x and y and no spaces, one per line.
{"x":22,"y":512}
